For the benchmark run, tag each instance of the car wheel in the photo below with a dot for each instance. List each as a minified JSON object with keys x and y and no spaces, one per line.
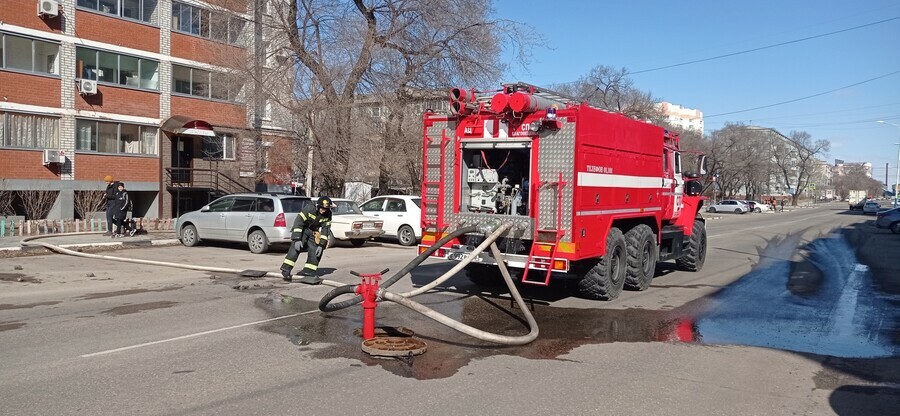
{"x":895,"y":227}
{"x":258,"y":242}
{"x":712,"y":209}
{"x":738,"y":211}
{"x":357,"y":242}
{"x":189,"y":236}
{"x":406,"y":236}
{"x":758,"y":210}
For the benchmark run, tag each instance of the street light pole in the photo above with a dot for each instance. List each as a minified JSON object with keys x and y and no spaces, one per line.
{"x":897,"y":179}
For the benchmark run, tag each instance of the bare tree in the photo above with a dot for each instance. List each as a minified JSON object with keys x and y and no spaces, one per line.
{"x":37,"y":203}
{"x":611,"y":89}
{"x":855,"y":178}
{"x":6,"y":199}
{"x":88,"y":203}
{"x":340,"y":50}
{"x":795,"y":161}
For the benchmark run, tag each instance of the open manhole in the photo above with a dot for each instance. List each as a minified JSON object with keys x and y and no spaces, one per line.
{"x":393,"y":346}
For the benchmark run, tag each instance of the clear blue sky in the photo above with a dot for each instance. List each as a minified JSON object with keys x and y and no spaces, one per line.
{"x":641,"y":34}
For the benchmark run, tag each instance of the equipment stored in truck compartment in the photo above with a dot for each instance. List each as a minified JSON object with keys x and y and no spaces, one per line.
{"x":591,"y":195}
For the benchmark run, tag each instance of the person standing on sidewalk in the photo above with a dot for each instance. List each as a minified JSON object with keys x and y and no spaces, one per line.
{"x":120,"y":209}
{"x":782,"y":204}
{"x":111,"y":190}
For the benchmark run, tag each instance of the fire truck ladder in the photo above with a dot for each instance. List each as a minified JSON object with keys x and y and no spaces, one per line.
{"x":434,"y":186}
{"x":555,"y":234}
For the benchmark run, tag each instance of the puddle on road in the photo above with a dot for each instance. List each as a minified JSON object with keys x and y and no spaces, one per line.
{"x":18,"y":277}
{"x":126,"y":292}
{"x":138,"y":307}
{"x":819,"y":303}
{"x":6,"y":306}
{"x":9,"y":326}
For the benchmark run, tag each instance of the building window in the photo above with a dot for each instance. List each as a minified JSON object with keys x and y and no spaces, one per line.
{"x":143,"y":10}
{"x":206,"y":84}
{"x":29,"y":55}
{"x":29,"y":131}
{"x":111,"y":68}
{"x":214,"y":25}
{"x":219,"y":147}
{"x":119,"y":138}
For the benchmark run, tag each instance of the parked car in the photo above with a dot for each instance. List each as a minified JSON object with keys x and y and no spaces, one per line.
{"x":758,"y":207}
{"x":871,"y":207}
{"x":402,"y":215}
{"x":729,"y":205}
{"x":349,"y":223}
{"x":889,"y":219}
{"x":259,"y":219}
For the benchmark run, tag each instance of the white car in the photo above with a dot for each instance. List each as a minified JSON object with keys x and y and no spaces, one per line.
{"x":402,"y":215}
{"x":871,"y":207}
{"x":729,"y":205}
{"x":349,"y":223}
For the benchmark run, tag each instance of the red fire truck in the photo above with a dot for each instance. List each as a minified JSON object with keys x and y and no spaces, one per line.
{"x":592,"y":195}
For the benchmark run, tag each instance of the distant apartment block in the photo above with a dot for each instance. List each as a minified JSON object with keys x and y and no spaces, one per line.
{"x":686,"y":118}
{"x":842,"y":168}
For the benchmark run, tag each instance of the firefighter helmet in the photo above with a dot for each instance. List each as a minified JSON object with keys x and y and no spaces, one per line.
{"x":324,"y":202}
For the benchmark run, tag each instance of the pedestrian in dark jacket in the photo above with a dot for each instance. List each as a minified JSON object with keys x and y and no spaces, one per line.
{"x":120,"y":209}
{"x":111,"y":190}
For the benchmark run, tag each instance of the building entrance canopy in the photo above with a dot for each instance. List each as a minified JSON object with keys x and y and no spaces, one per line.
{"x":186,"y":126}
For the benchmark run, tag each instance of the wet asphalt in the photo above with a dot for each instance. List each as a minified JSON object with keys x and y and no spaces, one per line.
{"x":787,"y":317}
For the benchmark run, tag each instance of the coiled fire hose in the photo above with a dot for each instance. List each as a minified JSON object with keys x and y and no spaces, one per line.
{"x":342,"y":288}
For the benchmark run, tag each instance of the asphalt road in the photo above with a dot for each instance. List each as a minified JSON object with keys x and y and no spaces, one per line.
{"x":784,"y":320}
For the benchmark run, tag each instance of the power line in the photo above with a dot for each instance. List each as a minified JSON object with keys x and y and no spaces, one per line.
{"x":804,"y":98}
{"x":795,"y":116}
{"x":763,"y":47}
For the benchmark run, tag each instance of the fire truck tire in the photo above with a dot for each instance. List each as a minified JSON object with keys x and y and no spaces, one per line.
{"x":605,"y":276}
{"x":485,"y":275}
{"x":695,"y":249}
{"x":640,"y":243}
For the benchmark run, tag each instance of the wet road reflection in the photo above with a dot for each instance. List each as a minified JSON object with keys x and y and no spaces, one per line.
{"x":816,"y":300}
{"x":823,"y":303}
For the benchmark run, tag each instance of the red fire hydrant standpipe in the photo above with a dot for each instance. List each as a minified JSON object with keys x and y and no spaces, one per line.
{"x":368,"y":289}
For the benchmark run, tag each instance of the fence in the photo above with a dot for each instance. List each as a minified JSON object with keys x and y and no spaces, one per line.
{"x":10,"y":228}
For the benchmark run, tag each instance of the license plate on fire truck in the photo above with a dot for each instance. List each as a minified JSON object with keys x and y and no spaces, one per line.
{"x":459,"y":256}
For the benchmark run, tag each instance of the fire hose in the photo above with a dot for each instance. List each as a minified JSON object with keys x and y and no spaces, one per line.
{"x":342,"y":288}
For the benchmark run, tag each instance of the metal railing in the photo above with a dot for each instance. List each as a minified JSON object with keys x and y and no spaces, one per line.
{"x":210,"y":179}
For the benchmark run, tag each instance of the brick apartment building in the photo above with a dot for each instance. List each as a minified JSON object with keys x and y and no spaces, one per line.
{"x":143,"y":90}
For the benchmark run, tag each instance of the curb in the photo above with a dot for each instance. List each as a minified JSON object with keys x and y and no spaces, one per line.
{"x":6,"y":252}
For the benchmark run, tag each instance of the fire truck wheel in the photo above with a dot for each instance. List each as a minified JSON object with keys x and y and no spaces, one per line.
{"x":605,"y":276}
{"x":640,"y":243}
{"x":695,"y":249}
{"x":486,"y":275}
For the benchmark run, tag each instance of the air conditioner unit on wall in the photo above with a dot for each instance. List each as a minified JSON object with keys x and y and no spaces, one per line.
{"x":87,"y":86}
{"x":54,"y":156}
{"x":48,"y":8}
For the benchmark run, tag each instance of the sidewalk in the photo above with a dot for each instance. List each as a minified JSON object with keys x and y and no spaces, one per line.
{"x":12,"y":246}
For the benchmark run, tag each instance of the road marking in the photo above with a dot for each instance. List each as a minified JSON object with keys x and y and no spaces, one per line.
{"x":213,"y":331}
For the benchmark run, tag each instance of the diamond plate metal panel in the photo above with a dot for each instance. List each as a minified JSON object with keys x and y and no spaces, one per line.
{"x":557,"y":155}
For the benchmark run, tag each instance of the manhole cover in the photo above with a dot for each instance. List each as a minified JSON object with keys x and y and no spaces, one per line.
{"x":393,"y":346}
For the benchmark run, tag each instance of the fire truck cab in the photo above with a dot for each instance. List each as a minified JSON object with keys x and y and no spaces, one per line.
{"x":591,"y":195}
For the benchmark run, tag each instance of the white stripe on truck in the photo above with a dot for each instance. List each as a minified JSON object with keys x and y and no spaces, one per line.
{"x":604,"y":180}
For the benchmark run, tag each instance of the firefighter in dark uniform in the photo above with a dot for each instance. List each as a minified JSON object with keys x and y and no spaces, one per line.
{"x":309,"y":232}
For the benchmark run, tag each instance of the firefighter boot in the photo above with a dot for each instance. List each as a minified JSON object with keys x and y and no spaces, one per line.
{"x":309,"y":277}
{"x":286,"y":275}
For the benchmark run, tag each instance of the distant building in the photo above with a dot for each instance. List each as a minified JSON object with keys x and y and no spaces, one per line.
{"x":842,"y":168}
{"x":686,"y":118}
